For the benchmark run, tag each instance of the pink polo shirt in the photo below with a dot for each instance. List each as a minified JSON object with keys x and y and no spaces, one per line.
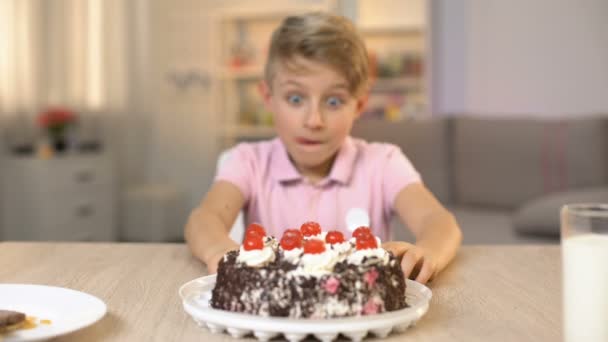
{"x":364,"y":175}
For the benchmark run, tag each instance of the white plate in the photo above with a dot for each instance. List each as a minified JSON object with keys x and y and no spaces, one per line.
{"x":68,"y":310}
{"x":196,"y":294}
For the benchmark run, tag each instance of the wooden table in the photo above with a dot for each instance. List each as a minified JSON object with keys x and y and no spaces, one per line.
{"x":489,"y":293}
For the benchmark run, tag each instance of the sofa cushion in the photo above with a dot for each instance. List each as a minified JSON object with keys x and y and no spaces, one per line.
{"x":541,"y":216}
{"x":480,"y":226}
{"x":505,"y":162}
{"x":425,"y":142}
{"x":491,"y":226}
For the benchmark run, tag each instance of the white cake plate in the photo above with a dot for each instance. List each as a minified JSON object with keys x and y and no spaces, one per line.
{"x":196,"y":294}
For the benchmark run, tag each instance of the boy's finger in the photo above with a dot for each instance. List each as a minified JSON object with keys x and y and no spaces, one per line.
{"x":410,"y":259}
{"x":426,"y":272}
{"x":397,"y":248}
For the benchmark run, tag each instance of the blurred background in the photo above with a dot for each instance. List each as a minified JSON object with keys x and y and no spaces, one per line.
{"x":113,"y":113}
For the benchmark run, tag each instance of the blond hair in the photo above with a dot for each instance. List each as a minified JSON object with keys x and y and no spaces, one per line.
{"x":324,"y":38}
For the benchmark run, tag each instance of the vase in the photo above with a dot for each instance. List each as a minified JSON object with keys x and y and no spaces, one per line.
{"x":60,"y":144}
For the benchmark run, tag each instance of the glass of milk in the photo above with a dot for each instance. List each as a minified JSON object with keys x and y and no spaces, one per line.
{"x":584,"y":233}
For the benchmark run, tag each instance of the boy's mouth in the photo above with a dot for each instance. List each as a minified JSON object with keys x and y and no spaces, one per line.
{"x":305,"y":141}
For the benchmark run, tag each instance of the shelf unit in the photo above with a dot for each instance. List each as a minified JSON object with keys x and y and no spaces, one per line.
{"x":398,"y":57}
{"x":395,"y":33}
{"x":371,"y":31}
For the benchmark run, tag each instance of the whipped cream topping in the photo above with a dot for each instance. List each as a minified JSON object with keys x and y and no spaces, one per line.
{"x":323,"y":263}
{"x":293,"y":256}
{"x":314,"y":264}
{"x":342,"y":248}
{"x":371,"y":256}
{"x":259,"y":257}
{"x":317,"y":264}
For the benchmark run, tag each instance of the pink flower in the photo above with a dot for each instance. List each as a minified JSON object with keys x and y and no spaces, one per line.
{"x":331,"y":285}
{"x":370,"y":277}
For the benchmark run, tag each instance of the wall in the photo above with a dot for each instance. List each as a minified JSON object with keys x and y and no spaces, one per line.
{"x":182,"y":141}
{"x":448,"y":56}
{"x":543,"y":57}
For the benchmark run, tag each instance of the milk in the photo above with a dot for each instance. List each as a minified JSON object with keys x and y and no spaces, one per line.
{"x":585,"y":291}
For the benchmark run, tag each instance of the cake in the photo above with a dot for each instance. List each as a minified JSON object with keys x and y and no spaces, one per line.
{"x":11,"y":320}
{"x":309,"y":274}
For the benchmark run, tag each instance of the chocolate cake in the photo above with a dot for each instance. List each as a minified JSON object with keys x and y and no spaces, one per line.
{"x":309,"y":274}
{"x":10,"y":320}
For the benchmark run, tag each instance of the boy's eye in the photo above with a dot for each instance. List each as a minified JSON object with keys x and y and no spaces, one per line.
{"x":294,"y":99}
{"x":334,"y":101}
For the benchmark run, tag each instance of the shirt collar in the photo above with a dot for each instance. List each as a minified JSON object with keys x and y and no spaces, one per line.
{"x":342,"y":169}
{"x":283,"y":169}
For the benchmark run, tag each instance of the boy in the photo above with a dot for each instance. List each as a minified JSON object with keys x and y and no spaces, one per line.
{"x":316,"y":80}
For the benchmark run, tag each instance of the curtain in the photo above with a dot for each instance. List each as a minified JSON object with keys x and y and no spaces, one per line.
{"x":63,"y":52}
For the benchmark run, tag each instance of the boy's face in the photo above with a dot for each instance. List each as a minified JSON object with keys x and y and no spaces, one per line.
{"x":313,"y":110}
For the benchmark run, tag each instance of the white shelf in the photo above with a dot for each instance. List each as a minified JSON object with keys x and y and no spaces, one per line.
{"x":397,"y":83}
{"x":390,"y":30}
{"x":244,"y":73}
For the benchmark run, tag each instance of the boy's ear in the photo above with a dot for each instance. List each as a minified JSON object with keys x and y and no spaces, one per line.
{"x":362,"y":104}
{"x":265,"y":93}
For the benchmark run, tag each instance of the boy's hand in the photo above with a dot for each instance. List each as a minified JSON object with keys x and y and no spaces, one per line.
{"x":214,"y":262}
{"x":416,"y":262}
{"x":216,"y":256}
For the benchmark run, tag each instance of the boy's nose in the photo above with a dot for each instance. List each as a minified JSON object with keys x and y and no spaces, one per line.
{"x":314,"y":119}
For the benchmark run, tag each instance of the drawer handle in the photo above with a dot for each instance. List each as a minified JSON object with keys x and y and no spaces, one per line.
{"x":85,"y":210}
{"x":84,"y":176}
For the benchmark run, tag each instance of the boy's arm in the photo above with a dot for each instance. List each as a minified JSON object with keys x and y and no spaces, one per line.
{"x":209,"y":225}
{"x":437,"y":233}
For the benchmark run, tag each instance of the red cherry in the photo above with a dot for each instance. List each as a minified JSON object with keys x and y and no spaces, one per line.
{"x":255,"y":229}
{"x":288,"y":242}
{"x":310,"y":228}
{"x":314,"y":246}
{"x":362,"y":231}
{"x":253,"y":242}
{"x":367,"y":242}
{"x":334,"y":236}
{"x":292,"y":233}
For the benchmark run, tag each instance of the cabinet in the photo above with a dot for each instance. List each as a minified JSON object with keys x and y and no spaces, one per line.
{"x":69,"y":198}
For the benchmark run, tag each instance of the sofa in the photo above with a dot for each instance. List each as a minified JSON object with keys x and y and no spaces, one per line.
{"x":505,"y":179}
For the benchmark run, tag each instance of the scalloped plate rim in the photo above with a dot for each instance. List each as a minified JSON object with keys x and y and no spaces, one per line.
{"x":419,"y":293}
